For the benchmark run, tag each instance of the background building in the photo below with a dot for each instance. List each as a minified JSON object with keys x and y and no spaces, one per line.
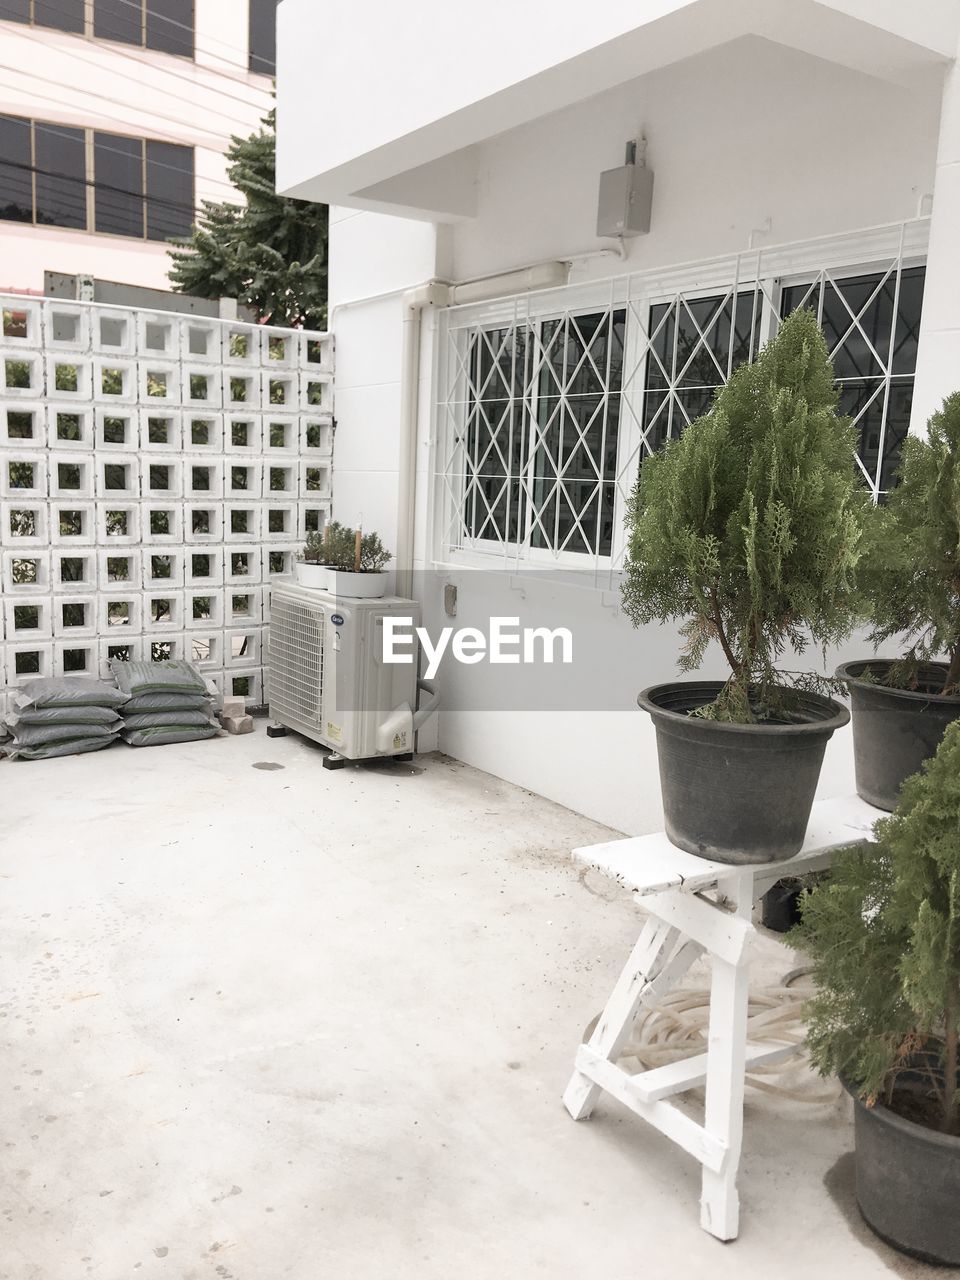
{"x":114,"y":117}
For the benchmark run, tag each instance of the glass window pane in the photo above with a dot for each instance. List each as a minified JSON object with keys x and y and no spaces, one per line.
{"x":61,"y":175}
{"x":118,"y":170}
{"x":118,"y":20}
{"x":15,"y":10}
{"x":65,"y":15}
{"x":263,"y":36}
{"x":170,"y":26}
{"x":170,"y":198}
{"x":16,"y":182}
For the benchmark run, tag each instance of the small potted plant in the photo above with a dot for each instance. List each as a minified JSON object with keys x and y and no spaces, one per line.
{"x":747,"y":528}
{"x":311,"y":568}
{"x":356,"y":562}
{"x":901,"y":706}
{"x":884,"y":936}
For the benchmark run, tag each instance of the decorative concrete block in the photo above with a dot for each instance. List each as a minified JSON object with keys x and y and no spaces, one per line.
{"x":69,"y":376}
{"x":316,"y":351}
{"x":70,"y":427}
{"x":278,"y":522}
{"x":25,"y":524}
{"x":162,"y":522}
{"x":241,"y":522}
{"x":241,"y":390}
{"x":280,"y":390}
{"x":312,"y":517}
{"x":162,"y":611}
{"x":202,"y":432}
{"x":316,"y":436}
{"x":279,"y":348}
{"x":243,"y":433}
{"x":281,"y":433}
{"x":76,"y":657}
{"x":278,"y":561}
{"x":162,"y":567}
{"x":203,"y":567}
{"x":22,"y":325}
{"x":161,"y":429}
{"x":22,"y":375}
{"x":201,"y":341}
{"x":281,"y":480}
{"x":158,"y":382}
{"x":118,"y":524}
{"x":316,"y":392}
{"x":203,"y":522}
{"x":66,"y":326}
{"x":205,"y":650}
{"x":28,"y":618}
{"x":118,"y":477}
{"x":119,"y":569}
{"x":241,"y":647}
{"x":161,"y":477}
{"x":26,"y":659}
{"x":202,"y":610}
{"x":72,"y":476}
{"x":242,"y":565}
{"x":241,"y":346}
{"x":74,"y":571}
{"x":119,"y":613}
{"x":117,"y":428}
{"x":72,"y":524}
{"x":74,"y":617}
{"x":113,"y":334}
{"x":23,"y":425}
{"x":203,"y":478}
{"x":202,"y":388}
{"x":158,"y":336}
{"x":114,"y":380}
{"x":243,"y":606}
{"x":118,"y":647}
{"x":242,"y":478}
{"x":26,"y":572}
{"x":23,"y":476}
{"x":245,"y":684}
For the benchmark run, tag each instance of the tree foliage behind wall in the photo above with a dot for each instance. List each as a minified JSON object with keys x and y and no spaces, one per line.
{"x":269,"y":253}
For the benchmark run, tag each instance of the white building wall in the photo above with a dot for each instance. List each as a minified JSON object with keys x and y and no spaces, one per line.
{"x":752,"y":140}
{"x":61,"y":78}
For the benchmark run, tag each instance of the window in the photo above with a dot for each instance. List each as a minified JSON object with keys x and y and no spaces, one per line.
{"x":263,"y":37}
{"x":542,"y":425}
{"x":142,"y":189}
{"x":165,"y":25}
{"x":63,"y":15}
{"x":42,"y":173}
{"x":550,"y":405}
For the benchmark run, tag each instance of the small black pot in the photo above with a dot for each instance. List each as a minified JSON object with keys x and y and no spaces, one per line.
{"x":737,"y":793}
{"x":780,"y":906}
{"x":894,"y":730}
{"x":908,"y":1184}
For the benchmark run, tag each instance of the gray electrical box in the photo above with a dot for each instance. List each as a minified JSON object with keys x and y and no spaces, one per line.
{"x":626,"y":197}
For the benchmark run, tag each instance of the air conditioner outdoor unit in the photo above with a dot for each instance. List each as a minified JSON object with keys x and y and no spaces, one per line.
{"x":326,"y":677}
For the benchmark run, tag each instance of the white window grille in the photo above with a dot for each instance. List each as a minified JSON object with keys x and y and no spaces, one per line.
{"x":547,"y":402}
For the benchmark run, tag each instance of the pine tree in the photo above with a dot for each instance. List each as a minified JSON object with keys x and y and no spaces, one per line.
{"x":913,"y":569}
{"x":270,"y":252}
{"x":748,"y":527}
{"x":884,"y":935}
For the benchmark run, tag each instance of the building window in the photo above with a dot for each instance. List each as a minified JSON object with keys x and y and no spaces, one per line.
{"x":548,"y":407}
{"x":42,"y":173}
{"x":62,"y":15}
{"x":263,"y":37}
{"x":164,"y":25}
{"x":139,"y":188}
{"x":540,"y":446}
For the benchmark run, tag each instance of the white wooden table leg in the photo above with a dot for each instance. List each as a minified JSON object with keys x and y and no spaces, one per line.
{"x":648,"y":960}
{"x":726,"y":1064}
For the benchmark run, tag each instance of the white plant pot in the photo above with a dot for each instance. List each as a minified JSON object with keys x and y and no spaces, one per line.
{"x":316,"y":576}
{"x":358,"y":586}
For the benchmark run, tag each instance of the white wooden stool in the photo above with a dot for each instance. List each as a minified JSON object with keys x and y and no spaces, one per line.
{"x":696,"y":907}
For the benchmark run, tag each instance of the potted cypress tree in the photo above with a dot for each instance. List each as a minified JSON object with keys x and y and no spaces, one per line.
{"x":884,"y":935}
{"x":901,"y":706}
{"x":311,"y":568}
{"x":748,"y":529}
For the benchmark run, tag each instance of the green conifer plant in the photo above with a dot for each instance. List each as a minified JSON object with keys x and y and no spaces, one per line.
{"x":336,"y":548}
{"x":748,"y":528}
{"x":884,"y":936}
{"x":912,"y":569}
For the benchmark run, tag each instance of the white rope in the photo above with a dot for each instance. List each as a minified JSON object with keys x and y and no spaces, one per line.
{"x":676,"y":1027}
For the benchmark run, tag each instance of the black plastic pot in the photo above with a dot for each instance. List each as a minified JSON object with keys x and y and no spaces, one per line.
{"x":737,"y":793}
{"x":780,"y":906}
{"x":894,"y":730}
{"x":908,"y":1184}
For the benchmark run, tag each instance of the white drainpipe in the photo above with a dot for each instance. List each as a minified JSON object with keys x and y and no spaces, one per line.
{"x":434,"y":293}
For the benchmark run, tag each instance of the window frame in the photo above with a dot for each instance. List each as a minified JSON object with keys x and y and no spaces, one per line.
{"x":766,"y":272}
{"x":87,"y":29}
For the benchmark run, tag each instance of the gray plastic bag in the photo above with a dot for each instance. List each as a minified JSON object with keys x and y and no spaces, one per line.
{"x":32,"y":735}
{"x":165,"y":734}
{"x":47,"y":750}
{"x":163,"y":719}
{"x":135,"y":678}
{"x":65,"y":715}
{"x":167,"y":702}
{"x":69,"y":691}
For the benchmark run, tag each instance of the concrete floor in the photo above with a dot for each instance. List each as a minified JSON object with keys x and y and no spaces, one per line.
{"x":265,"y":1021}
